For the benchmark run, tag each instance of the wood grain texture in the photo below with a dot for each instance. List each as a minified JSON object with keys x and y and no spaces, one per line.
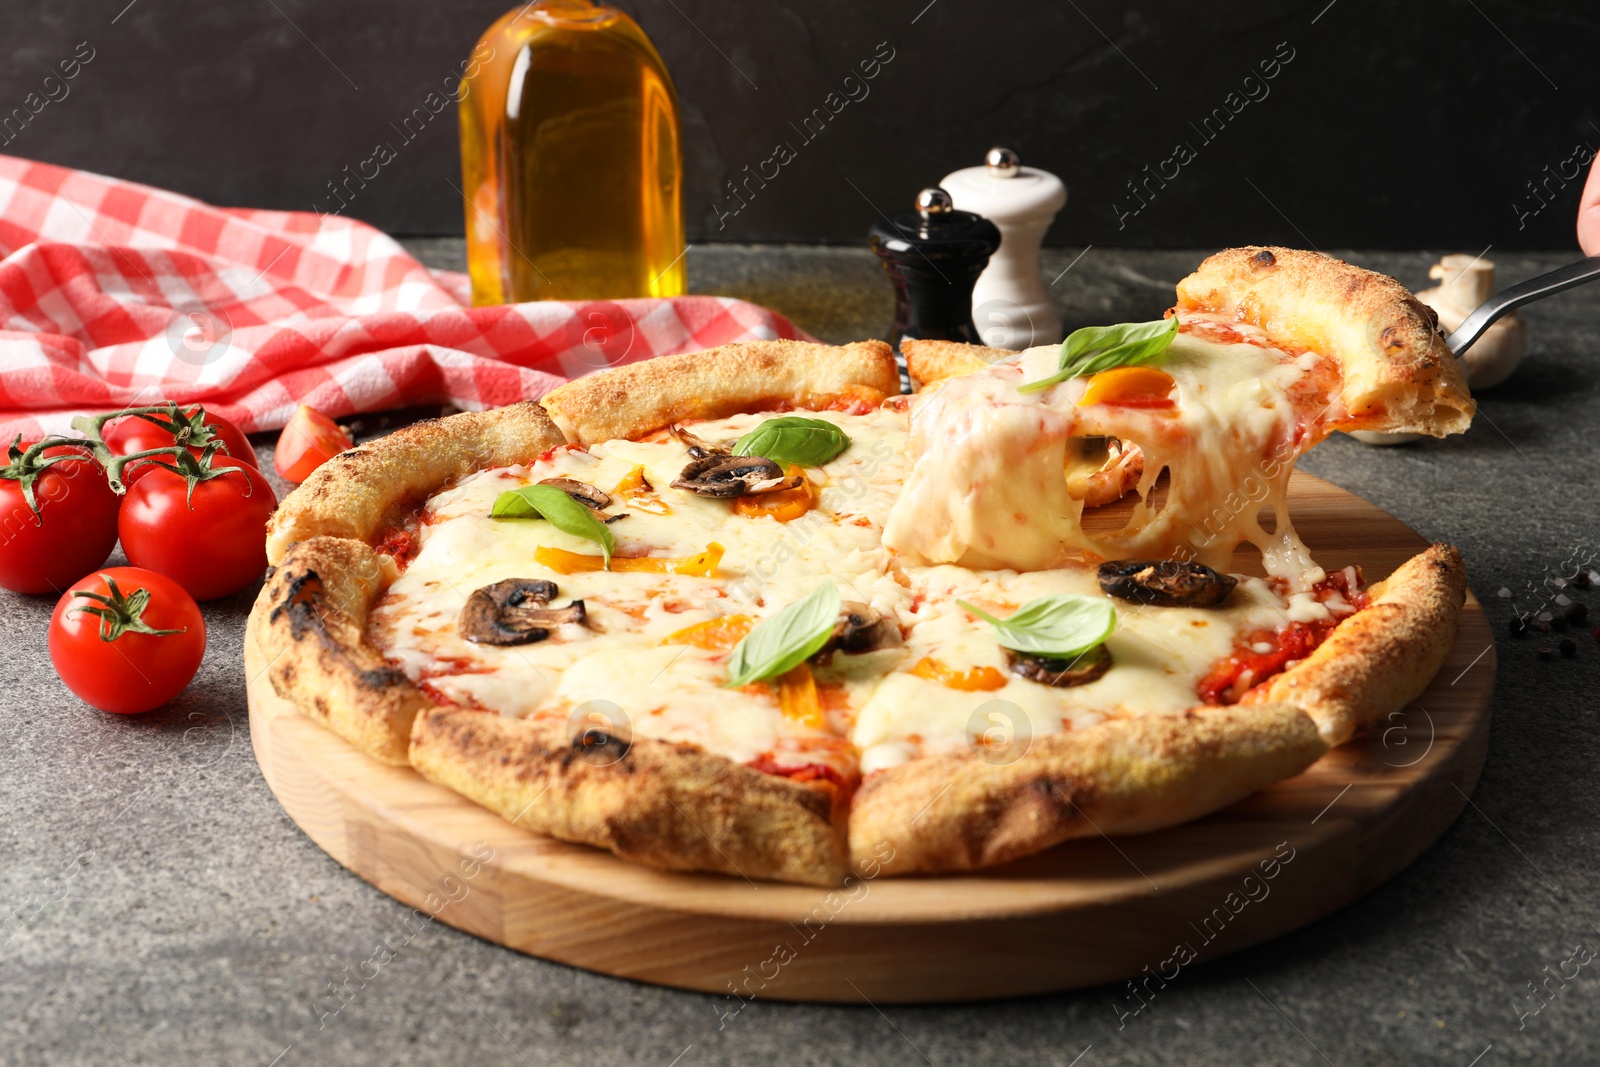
{"x":1084,"y":913}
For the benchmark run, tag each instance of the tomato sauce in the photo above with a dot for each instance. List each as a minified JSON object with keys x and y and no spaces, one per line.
{"x":550,"y":453}
{"x":438,"y":696}
{"x":1149,"y":403}
{"x":842,"y":787}
{"x":855,"y":400}
{"x":1246,"y":669}
{"x":401,"y":543}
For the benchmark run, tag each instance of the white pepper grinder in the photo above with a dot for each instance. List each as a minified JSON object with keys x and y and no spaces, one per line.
{"x":1011,"y":307}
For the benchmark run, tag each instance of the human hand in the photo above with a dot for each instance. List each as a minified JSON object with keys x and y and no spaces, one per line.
{"x":1589,"y":213}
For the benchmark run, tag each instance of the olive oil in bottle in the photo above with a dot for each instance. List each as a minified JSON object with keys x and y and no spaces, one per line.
{"x":570,"y":161}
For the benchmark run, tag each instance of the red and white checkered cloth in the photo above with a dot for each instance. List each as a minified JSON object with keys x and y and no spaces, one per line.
{"x":114,"y":294}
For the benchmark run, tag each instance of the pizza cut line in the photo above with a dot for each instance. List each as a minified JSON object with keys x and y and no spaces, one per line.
{"x":750,"y":611}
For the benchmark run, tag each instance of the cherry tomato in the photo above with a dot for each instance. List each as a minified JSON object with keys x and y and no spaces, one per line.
{"x":75,"y":527}
{"x":213,"y":543}
{"x":136,"y":434}
{"x":308,"y":441}
{"x":126,"y":640}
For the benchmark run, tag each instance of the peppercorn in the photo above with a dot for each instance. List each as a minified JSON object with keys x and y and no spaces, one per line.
{"x":1581,"y":580}
{"x":1545,"y":653}
{"x":1568,"y":647}
{"x":1575,"y":613}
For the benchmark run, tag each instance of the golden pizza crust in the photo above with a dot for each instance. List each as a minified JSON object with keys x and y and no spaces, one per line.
{"x":934,"y":361}
{"x":1383,"y":656}
{"x":958,"y":813}
{"x":661,"y":804}
{"x":639,"y":398}
{"x":1398,"y":376}
{"x":309,"y":623}
{"x":356,"y":492}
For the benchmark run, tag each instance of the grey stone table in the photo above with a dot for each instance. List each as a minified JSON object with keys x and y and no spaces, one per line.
{"x":156,"y":906}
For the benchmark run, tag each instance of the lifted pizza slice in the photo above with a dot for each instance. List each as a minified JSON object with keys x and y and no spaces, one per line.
{"x":1267,"y":352}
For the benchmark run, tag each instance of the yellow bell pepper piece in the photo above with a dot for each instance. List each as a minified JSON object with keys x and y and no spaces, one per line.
{"x":700,"y":565}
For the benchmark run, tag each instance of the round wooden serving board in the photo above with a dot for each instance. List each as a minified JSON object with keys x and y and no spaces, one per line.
{"x":1083,"y":913}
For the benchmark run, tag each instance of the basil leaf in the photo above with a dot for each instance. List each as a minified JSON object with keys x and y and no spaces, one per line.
{"x":562,"y":512}
{"x":1059,"y":627}
{"x":786,"y":440}
{"x":1097,"y":348}
{"x":784,"y":640}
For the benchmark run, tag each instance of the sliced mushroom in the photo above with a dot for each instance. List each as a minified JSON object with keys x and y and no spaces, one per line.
{"x":1061,"y":673}
{"x":515,"y":612}
{"x":592,"y":497}
{"x":861,"y":628}
{"x":1166,"y":583}
{"x":698,"y":447}
{"x":727,"y":476}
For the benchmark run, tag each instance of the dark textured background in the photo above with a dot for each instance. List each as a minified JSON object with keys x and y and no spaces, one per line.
{"x":1394,"y":125}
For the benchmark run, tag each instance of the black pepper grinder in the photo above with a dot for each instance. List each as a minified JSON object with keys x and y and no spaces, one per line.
{"x":933,"y":255}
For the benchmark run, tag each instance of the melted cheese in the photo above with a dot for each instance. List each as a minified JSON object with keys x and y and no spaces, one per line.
{"x":1158,"y":655}
{"x":672,"y":692}
{"x":984,"y":515}
{"x":988,"y":487}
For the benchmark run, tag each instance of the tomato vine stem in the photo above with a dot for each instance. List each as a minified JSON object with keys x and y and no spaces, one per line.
{"x":120,"y":614}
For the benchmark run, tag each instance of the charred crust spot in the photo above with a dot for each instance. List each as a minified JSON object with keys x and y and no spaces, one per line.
{"x":299,"y":603}
{"x":1263,"y":259}
{"x":380,"y":678}
{"x":1064,"y":799}
{"x":598,"y":748}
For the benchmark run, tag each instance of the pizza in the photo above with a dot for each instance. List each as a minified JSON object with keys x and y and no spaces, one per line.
{"x":752,"y":611}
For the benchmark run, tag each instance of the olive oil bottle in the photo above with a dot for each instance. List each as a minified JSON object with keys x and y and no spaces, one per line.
{"x":570,"y":160}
